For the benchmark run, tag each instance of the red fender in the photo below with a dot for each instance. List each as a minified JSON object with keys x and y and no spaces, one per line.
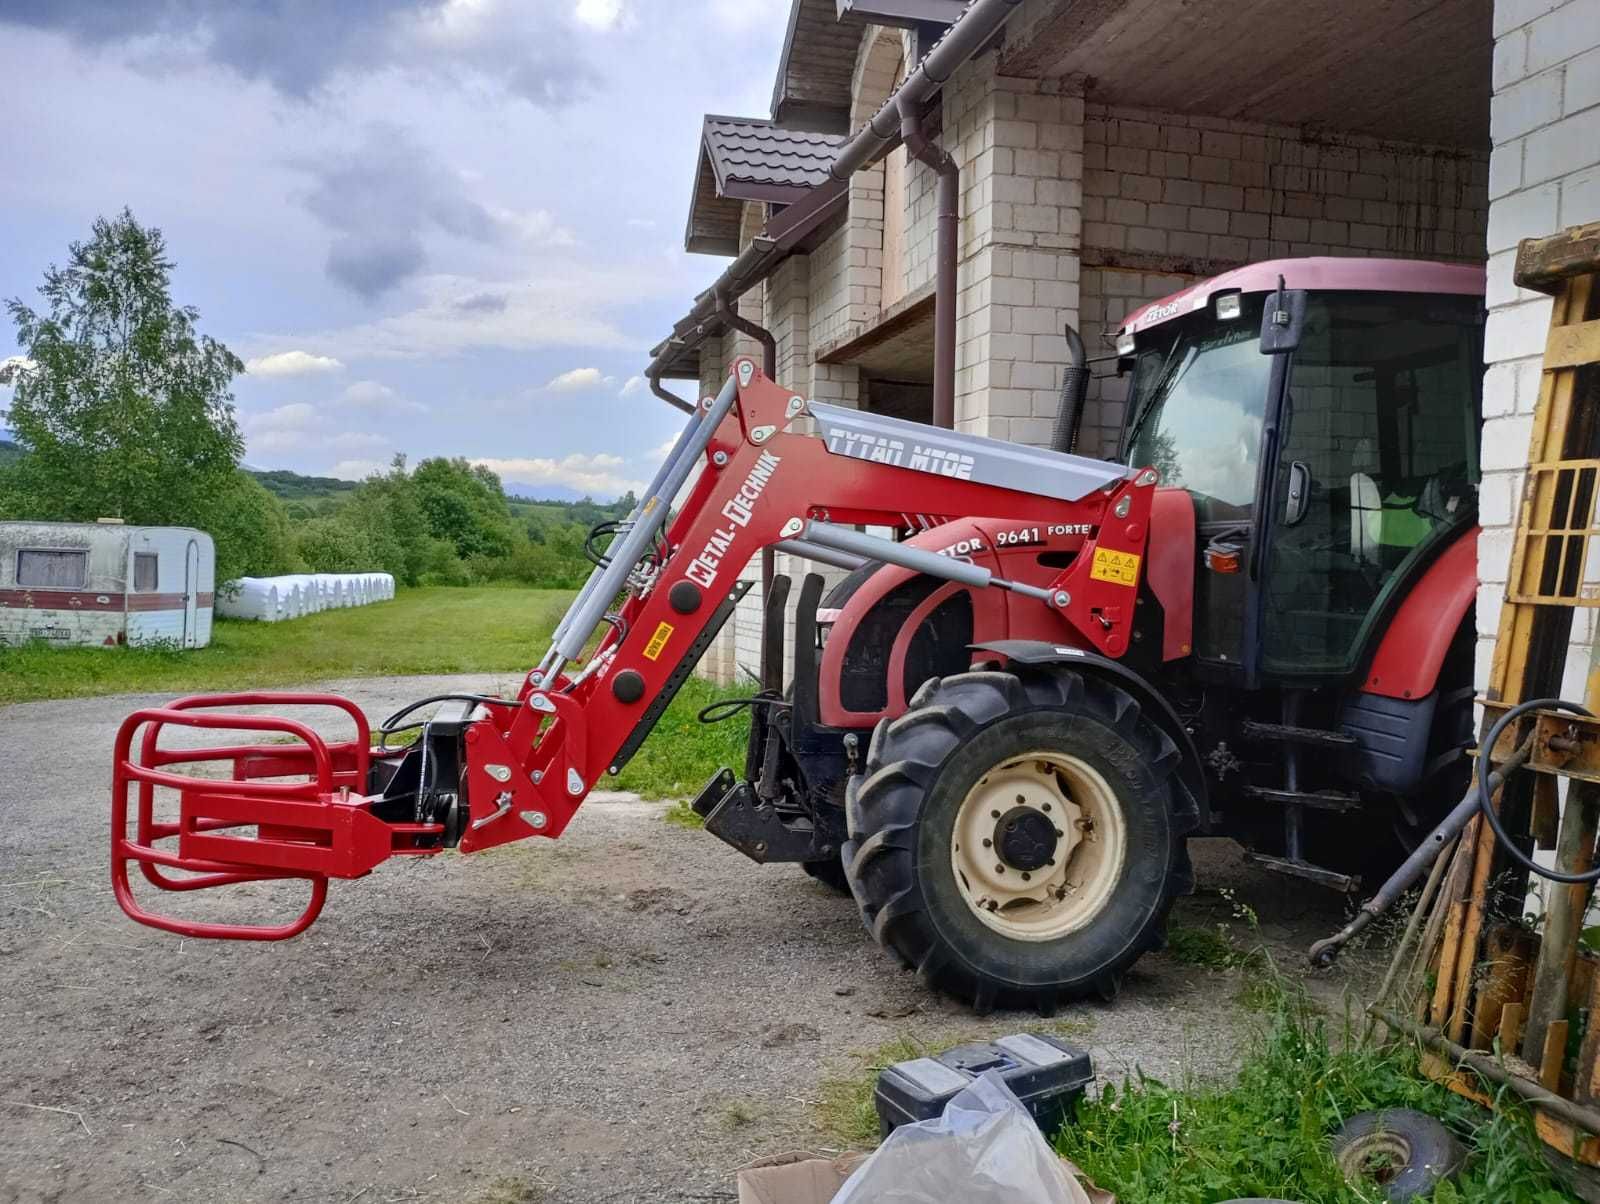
{"x":1406,"y":664}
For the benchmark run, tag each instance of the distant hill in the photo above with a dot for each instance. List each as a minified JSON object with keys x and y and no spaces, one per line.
{"x":542,"y":493}
{"x":292,"y":487}
{"x":10,"y":453}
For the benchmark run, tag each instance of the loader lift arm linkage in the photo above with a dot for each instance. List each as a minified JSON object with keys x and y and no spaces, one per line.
{"x":777,"y":469}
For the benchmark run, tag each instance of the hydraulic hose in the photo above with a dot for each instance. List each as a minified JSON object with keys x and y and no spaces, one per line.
{"x":1486,"y":806}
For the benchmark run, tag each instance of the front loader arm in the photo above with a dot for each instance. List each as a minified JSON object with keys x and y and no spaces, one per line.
{"x":773,"y":468}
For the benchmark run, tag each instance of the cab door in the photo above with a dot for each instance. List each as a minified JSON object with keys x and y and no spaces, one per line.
{"x":1376,"y":470}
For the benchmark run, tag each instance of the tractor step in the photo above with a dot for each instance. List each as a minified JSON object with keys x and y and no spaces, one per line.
{"x":1320,"y":737}
{"x":1346,"y":884}
{"x":1320,"y":800}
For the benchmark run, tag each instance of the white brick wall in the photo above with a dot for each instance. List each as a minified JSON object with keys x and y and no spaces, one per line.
{"x":1544,"y":175}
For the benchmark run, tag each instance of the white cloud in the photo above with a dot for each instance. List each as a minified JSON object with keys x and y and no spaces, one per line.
{"x":563,"y":306}
{"x":597,"y":475}
{"x":631,"y":386}
{"x":577,"y":379}
{"x":657,"y":454}
{"x":298,"y":416}
{"x":602,"y":15}
{"x":292,"y":363}
{"x":642,"y":223}
{"x":373,"y":397}
{"x":298,"y":426}
{"x":357,"y":470}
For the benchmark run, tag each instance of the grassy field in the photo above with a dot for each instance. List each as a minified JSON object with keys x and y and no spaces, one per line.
{"x":465,"y":630}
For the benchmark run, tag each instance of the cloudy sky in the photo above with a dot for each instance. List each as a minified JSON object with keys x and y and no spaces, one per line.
{"x":441,"y":227}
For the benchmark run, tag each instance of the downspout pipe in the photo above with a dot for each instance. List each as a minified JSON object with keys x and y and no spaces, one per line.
{"x":769,"y":345}
{"x":944,"y":287}
{"x":1074,"y":388}
{"x":672,"y":399}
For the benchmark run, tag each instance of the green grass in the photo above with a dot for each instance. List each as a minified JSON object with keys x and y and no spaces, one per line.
{"x":436,"y":630}
{"x":1213,"y":948}
{"x":1266,"y":1133}
{"x":443,"y":630}
{"x":682,"y":753}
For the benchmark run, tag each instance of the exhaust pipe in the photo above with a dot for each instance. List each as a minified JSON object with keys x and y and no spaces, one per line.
{"x":1074,"y":388}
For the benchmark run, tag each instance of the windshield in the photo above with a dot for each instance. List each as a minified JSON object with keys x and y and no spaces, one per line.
{"x":1198,"y":394}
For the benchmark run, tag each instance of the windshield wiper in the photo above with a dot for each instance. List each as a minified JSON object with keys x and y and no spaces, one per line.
{"x":1159,"y":392}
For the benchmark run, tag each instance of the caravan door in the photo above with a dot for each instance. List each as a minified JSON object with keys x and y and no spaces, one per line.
{"x":191,"y":595}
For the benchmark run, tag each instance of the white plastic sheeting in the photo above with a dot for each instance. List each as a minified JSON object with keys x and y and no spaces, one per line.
{"x":274,"y":599}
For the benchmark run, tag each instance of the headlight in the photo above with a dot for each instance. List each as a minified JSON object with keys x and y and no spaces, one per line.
{"x":1229,"y":306}
{"x":1125,"y":342}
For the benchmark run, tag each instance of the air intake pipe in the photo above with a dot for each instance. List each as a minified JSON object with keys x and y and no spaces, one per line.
{"x":1074,"y":388}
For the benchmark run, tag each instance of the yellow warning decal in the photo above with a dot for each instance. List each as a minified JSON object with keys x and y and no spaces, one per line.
{"x":1119,"y":567}
{"x":652,"y":650}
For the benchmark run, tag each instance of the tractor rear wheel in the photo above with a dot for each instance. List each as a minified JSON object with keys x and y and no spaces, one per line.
{"x":1019,"y":839}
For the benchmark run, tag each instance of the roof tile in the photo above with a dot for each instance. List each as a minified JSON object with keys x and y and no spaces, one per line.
{"x":754,"y":151}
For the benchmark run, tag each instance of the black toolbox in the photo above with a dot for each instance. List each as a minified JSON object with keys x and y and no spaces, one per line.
{"x":1045,"y":1073}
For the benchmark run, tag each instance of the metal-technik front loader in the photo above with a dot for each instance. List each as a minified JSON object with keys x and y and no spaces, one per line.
{"x":775,"y":469}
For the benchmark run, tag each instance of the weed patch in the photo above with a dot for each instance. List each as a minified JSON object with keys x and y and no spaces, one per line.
{"x":1267,"y":1133}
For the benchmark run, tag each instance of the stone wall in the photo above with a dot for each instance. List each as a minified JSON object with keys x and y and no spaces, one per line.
{"x":1544,"y":175}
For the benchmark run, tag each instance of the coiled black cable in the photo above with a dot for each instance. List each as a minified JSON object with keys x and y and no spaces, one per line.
{"x":727,"y":708}
{"x":1486,"y":804}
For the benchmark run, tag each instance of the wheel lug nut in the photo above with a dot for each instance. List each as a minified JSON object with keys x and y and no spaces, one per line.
{"x":1059,"y":833}
{"x":1021,"y":798}
{"x":1027,"y":877}
{"x":1047,"y":806}
{"x":987,"y":843}
{"x":994,"y":815}
{"x":998,"y":868}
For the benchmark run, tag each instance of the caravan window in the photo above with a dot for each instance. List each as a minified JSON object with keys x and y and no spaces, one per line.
{"x":52,"y":568}
{"x":144,"y":572}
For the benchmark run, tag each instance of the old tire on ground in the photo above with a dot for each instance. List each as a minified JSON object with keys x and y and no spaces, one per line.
{"x":951,"y":855}
{"x":1404,"y":1152}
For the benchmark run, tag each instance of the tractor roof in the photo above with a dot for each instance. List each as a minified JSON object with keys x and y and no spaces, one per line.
{"x":1323,"y":273}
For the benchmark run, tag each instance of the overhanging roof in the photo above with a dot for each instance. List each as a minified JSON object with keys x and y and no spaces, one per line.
{"x":1411,"y":72}
{"x":750,"y":159}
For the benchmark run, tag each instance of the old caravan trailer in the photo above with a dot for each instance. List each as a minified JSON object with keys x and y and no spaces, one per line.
{"x":105,"y":583}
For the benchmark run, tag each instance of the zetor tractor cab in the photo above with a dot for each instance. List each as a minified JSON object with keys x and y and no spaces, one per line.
{"x":1293,"y":667}
{"x":1000,"y":729}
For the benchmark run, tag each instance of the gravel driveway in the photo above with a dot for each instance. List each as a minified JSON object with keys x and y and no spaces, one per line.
{"x":626,"y":1015}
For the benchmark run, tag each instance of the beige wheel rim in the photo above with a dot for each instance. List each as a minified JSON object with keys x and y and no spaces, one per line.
{"x":1038,"y":846}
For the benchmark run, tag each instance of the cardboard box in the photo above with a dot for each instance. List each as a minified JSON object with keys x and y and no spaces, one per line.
{"x":796,"y":1178}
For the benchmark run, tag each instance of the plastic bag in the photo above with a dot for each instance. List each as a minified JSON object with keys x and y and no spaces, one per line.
{"x":984,"y":1149}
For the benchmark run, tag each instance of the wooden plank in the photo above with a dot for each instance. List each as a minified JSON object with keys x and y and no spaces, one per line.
{"x":1552,"y":1052}
{"x":1572,"y":346}
{"x":1548,"y":997}
{"x":1586,"y":1082}
{"x":1472,"y":927}
{"x":1545,"y":264}
{"x":1545,"y":822}
{"x":1444,"y":986}
{"x":1508,"y":950}
{"x":1512,"y":1016}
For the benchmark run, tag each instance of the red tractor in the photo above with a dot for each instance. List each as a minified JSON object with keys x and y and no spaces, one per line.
{"x":999,"y":731}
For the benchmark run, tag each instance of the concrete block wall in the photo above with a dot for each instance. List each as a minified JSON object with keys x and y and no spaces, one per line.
{"x":1169,"y":198}
{"x":1544,"y":175}
{"x":1020,"y":146}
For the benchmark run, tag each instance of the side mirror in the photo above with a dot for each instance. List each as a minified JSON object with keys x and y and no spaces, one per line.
{"x":1294,"y":506}
{"x":1283,"y":318}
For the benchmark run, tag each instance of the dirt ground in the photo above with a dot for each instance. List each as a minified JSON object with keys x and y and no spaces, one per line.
{"x":628,"y":1014}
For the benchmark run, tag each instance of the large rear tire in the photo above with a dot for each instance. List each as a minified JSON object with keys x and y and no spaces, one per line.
{"x":1019,"y":839}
